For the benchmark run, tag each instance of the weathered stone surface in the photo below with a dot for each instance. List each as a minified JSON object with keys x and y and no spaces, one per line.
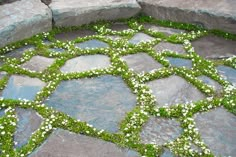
{"x":218,"y":14}
{"x":141,"y":62}
{"x":228,"y":73}
{"x":218,"y":130}
{"x":167,"y":31}
{"x":214,"y":47}
{"x":180,"y":62}
{"x":58,"y":50}
{"x":22,"y":87}
{"x":101,"y":101}
{"x":38,"y":63}
{"x":66,"y":144}
{"x":85,"y":63}
{"x":72,"y":13}
{"x":174,"y":90}
{"x":28,"y":122}
{"x":167,"y":153}
{"x":165,"y":46}
{"x":2,"y":74}
{"x":22,"y":19}
{"x":140,"y":37}
{"x":2,"y":112}
{"x":92,"y":44}
{"x":160,"y":131}
{"x":119,"y":26}
{"x":18,"y":53}
{"x":216,"y":86}
{"x":68,"y":36}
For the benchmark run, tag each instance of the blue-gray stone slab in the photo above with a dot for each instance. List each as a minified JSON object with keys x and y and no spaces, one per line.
{"x":17,"y":53}
{"x":2,"y":112}
{"x":94,"y":43}
{"x":140,"y":37}
{"x":167,"y":153}
{"x":59,"y":50}
{"x":160,"y":131}
{"x":174,"y":90}
{"x":228,"y":73}
{"x":218,"y":130}
{"x":141,"y":62}
{"x":179,"y":62}
{"x":28,"y":122}
{"x":101,"y":101}
{"x":215,"y":85}
{"x":85,"y":63}
{"x":22,"y":87}
{"x":67,"y":144}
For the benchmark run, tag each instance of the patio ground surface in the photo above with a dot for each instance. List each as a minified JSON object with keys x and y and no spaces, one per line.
{"x":127,"y":88}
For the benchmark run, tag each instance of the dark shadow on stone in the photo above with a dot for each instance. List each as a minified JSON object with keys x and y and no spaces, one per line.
{"x":47,"y":2}
{"x":2,"y":2}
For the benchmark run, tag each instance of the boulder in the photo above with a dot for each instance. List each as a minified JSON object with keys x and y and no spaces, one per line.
{"x":22,"y":19}
{"x":74,"y":12}
{"x":217,"y":14}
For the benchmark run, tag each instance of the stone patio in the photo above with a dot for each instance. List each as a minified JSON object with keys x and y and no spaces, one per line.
{"x":90,"y":103}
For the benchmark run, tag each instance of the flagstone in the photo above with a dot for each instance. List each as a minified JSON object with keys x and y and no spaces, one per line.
{"x":85,"y":63}
{"x":218,"y":130}
{"x":174,"y":90}
{"x":38,"y":63}
{"x":141,"y":62}
{"x":101,"y":101}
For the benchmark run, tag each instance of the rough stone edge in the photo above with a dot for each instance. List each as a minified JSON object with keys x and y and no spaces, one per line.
{"x":112,"y":13}
{"x":168,"y":13}
{"x":26,"y":26}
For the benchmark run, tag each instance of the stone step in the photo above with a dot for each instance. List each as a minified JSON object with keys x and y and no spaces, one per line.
{"x":73,"y":13}
{"x":217,"y":14}
{"x":23,"y":19}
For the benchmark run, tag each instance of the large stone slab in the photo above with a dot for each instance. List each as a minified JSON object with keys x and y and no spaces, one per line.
{"x":28,"y":122}
{"x":68,"y":36}
{"x":141,"y":62}
{"x":215,"y":85}
{"x":218,"y":130}
{"x":228,"y":73}
{"x":72,"y":13}
{"x":102,"y":101}
{"x":22,"y":87}
{"x":66,"y":144}
{"x":18,"y":53}
{"x":22,"y":19}
{"x":166,"y":46}
{"x":217,"y":14}
{"x":180,"y":62}
{"x":38,"y":63}
{"x":85,"y":63}
{"x":174,"y":90}
{"x":94,"y":43}
{"x":140,"y":37}
{"x":214,"y":47}
{"x":160,"y":131}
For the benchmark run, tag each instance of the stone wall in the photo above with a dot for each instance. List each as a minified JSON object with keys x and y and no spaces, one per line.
{"x":20,"y":19}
